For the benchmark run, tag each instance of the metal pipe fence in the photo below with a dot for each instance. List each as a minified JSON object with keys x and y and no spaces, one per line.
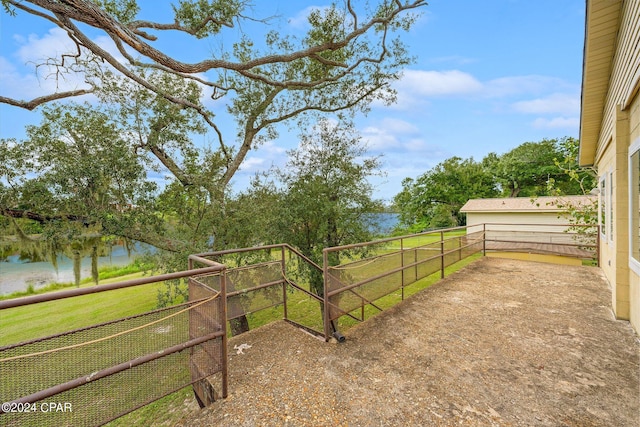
{"x":268,"y":283}
{"x":93,"y":374}
{"x":96,"y":373}
{"x":576,"y":241}
{"x":358,"y":275}
{"x":361,"y":274}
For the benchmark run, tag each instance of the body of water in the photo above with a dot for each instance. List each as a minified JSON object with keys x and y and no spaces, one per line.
{"x":17,"y":275}
{"x":386,"y":222}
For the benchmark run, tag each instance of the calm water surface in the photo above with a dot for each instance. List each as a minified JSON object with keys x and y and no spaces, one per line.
{"x":17,"y":276}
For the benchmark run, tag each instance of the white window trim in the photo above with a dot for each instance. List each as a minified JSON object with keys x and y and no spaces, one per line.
{"x":602,"y":194}
{"x":610,"y":214}
{"x":634,"y":264}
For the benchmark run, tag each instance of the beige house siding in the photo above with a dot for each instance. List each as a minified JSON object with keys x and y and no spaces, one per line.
{"x":602,"y":28}
{"x":634,"y":278}
{"x":611,"y":121}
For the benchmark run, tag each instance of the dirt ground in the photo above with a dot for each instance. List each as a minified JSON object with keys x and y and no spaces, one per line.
{"x":499,"y":343}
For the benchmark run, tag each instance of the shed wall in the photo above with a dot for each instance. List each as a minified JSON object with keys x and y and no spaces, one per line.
{"x":519,"y":218}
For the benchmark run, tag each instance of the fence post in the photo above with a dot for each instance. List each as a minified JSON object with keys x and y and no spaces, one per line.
{"x":223,"y":321}
{"x":484,"y":239}
{"x":284,"y":284}
{"x":325,"y":292}
{"x":402,"y":265}
{"x":442,"y":254}
{"x":415,"y":262}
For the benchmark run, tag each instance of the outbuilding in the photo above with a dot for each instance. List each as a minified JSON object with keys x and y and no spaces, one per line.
{"x":523,"y":211}
{"x":534,"y":229}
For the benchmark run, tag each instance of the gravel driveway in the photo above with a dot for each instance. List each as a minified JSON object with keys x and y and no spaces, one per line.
{"x":501,"y":342}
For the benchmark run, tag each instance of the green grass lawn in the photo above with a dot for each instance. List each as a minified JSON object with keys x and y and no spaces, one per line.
{"x":34,"y":321}
{"x":425,"y":239}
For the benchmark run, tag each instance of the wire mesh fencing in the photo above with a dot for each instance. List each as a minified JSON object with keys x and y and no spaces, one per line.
{"x":94,"y":374}
{"x":269,"y":283}
{"x":100,"y":370}
{"x":357,"y":276}
{"x":576,"y":241}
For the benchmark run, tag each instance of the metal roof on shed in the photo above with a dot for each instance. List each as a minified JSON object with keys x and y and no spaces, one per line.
{"x":525,"y":204}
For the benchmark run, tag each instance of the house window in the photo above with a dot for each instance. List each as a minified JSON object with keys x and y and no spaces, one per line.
{"x":634,"y":204}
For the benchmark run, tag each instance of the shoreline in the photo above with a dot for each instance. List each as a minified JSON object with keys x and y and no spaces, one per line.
{"x":37,"y":282}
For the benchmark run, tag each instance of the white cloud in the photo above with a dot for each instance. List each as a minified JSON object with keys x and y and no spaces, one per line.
{"x":33,"y":72}
{"x":438,"y":83}
{"x":253,"y":164}
{"x":529,"y":84}
{"x":572,"y":123}
{"x":29,"y":85}
{"x":272,"y":149}
{"x":387,"y":133}
{"x":419,"y":145}
{"x":557,"y":103}
{"x":399,"y":126}
{"x":263,"y":158}
{"x":417,"y":87}
{"x":379,"y":139}
{"x":7,"y":72}
{"x":38,"y":49}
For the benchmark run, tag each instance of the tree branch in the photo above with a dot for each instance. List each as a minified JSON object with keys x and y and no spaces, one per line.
{"x":41,"y":218}
{"x":250,"y":130}
{"x":90,"y":14}
{"x":152,"y":239}
{"x":30,"y":105}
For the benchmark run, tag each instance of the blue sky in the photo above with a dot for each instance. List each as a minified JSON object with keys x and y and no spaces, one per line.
{"x":489,"y":75}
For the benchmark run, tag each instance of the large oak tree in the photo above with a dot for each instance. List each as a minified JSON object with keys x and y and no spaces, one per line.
{"x":151,"y":102}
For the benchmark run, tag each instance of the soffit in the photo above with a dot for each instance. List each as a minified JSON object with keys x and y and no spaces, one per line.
{"x":601,"y":32}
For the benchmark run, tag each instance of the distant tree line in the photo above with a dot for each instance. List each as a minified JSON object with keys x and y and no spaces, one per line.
{"x":545,"y":168}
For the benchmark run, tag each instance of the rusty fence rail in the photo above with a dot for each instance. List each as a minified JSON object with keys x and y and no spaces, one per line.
{"x":359,"y":275}
{"x":93,"y":374}
{"x":574,"y":241}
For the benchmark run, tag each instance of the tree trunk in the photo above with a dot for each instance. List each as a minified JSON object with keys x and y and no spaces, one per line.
{"x":76,"y":268}
{"x":94,"y":264}
{"x":239,"y":325}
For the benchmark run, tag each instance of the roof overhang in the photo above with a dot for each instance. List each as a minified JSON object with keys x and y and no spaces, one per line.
{"x":601,"y":32}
